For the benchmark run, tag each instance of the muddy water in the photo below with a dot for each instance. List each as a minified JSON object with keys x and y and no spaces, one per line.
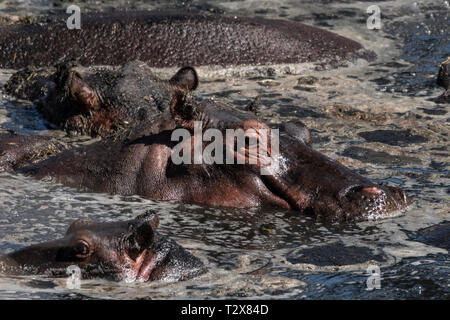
{"x":376,"y":118}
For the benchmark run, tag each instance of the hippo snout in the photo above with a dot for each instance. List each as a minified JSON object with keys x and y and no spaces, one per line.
{"x":360,"y":203}
{"x":373,"y":202}
{"x":315,"y":184}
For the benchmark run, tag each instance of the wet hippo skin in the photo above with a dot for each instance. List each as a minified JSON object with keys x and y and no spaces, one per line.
{"x":437,"y":235}
{"x":166,"y":39}
{"x":16,"y":149}
{"x":125,"y":250}
{"x":139,"y":161}
{"x":97,"y":101}
{"x":334,"y":254}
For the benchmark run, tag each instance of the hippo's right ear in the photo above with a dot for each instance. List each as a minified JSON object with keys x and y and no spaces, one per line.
{"x":144,"y":233}
{"x":185,"y":79}
{"x":298,"y":131}
{"x":184,"y":110}
{"x":149,"y":217}
{"x":79,"y":224}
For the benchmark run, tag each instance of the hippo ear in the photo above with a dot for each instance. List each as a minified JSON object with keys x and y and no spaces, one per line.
{"x":83,"y":93}
{"x":144,"y":233}
{"x":79,"y":224}
{"x":71,"y":82}
{"x":149,"y":217}
{"x":298,"y":131}
{"x":184,"y":110}
{"x":254,"y":105}
{"x":186,"y":79}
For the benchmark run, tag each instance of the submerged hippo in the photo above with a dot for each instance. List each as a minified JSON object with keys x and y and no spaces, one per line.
{"x":140,"y":162}
{"x":166,"y":39}
{"x":126,"y":250}
{"x":98,"y":101}
{"x":443,"y":80}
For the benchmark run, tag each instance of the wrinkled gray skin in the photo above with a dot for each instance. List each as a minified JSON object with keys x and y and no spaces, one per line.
{"x":139,"y":162}
{"x":126,"y":250}
{"x":96,"y":101}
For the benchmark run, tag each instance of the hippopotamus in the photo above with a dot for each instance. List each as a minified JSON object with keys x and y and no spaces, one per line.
{"x":123,"y":251}
{"x":140,"y":161}
{"x":436,"y":235}
{"x":443,"y":80}
{"x":165,"y":39}
{"x":98,"y":101}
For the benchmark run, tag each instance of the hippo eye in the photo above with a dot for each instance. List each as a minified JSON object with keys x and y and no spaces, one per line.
{"x":82,"y":249}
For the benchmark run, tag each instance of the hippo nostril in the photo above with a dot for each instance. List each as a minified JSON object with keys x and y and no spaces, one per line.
{"x":372,"y":190}
{"x":360,"y":192}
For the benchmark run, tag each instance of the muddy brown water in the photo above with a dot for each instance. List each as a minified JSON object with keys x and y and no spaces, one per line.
{"x":376,"y":118}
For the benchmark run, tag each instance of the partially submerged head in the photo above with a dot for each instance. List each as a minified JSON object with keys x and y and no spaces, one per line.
{"x":125,"y":250}
{"x":99,"y":101}
{"x":302,"y":178}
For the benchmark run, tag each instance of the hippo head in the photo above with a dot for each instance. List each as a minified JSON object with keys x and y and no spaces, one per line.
{"x":99,"y":101}
{"x":295,"y":176}
{"x":125,"y":250}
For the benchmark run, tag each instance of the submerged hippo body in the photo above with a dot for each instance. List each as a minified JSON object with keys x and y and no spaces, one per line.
{"x":97,"y":101}
{"x":126,"y":250}
{"x":165,"y":40}
{"x":140,"y":162}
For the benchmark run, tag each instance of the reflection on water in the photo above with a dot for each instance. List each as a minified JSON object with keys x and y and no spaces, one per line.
{"x":266,"y":252}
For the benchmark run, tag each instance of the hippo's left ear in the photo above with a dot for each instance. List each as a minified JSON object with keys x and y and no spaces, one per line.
{"x":186,"y":79}
{"x":70,"y":81}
